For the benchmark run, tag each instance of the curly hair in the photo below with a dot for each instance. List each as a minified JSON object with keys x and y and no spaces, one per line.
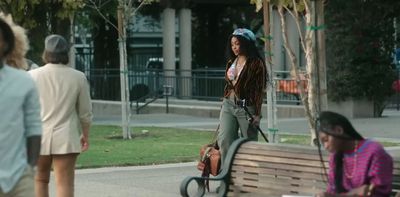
{"x":7,"y":37}
{"x":16,"y":57}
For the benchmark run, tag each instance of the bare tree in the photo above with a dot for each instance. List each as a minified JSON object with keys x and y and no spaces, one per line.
{"x":126,"y":11}
{"x":312,"y":97}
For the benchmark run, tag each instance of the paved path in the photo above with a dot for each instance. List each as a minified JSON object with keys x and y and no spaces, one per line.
{"x":164,"y":180}
{"x":140,"y":181}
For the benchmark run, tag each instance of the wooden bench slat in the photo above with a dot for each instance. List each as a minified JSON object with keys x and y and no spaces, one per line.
{"x":282,"y":147}
{"x":292,"y":167}
{"x":279,"y":169}
{"x":288,"y":174}
{"x":280,"y":180}
{"x":282,"y":160}
{"x":249,"y":185}
{"x":273,"y":153}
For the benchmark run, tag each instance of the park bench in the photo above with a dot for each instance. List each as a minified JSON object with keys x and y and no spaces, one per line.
{"x":273,"y":170}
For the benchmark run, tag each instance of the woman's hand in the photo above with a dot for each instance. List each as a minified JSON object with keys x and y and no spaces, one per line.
{"x":84,"y":143}
{"x":364,"y":190}
{"x":256,"y":120}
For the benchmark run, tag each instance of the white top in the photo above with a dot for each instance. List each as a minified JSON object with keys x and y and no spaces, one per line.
{"x":65,"y":107}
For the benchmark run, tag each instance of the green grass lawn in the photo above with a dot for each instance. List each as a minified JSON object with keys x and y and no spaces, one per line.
{"x":159,"y":145}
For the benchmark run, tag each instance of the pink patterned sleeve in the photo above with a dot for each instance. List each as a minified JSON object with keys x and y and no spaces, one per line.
{"x":331,"y":175}
{"x":381,"y":172}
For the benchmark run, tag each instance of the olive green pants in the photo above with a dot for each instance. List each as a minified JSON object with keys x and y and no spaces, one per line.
{"x":232,"y":118}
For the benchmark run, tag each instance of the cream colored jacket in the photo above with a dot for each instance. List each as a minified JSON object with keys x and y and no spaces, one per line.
{"x":65,"y":107}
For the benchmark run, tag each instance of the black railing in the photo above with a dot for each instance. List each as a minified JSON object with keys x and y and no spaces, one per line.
{"x":196,"y":84}
{"x":202,"y":84}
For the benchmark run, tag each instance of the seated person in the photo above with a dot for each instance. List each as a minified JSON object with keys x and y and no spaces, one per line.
{"x":357,"y":166}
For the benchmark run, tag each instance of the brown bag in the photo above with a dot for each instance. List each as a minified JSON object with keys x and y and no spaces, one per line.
{"x":210,"y":159}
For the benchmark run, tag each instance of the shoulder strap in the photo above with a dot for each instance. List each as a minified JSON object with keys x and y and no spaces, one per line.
{"x":215,"y":136}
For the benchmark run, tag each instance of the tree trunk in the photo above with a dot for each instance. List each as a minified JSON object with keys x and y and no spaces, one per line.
{"x":312,"y":72}
{"x":321,"y":56}
{"x":271,"y":102}
{"x":122,"y":21}
{"x":308,"y":98}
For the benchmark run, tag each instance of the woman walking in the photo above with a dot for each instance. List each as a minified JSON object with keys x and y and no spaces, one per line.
{"x":66,"y":116}
{"x":246,"y":78}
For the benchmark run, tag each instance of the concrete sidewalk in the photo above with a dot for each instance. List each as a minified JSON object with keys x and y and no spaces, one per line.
{"x":141,"y":181}
{"x":164,"y":180}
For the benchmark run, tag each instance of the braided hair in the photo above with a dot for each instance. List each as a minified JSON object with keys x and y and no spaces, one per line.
{"x":328,"y":120}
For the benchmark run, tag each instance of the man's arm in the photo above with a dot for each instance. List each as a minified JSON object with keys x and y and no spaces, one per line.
{"x":33,"y":125}
{"x":85,"y":113}
{"x":33,"y":149}
{"x":85,"y":137}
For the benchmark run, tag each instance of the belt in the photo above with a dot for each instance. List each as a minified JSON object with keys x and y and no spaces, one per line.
{"x":241,"y":102}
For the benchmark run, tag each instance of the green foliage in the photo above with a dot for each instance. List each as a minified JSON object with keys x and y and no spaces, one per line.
{"x":69,"y":7}
{"x":41,"y":18}
{"x":300,"y":6}
{"x":359,"y":48}
{"x":17,"y":8}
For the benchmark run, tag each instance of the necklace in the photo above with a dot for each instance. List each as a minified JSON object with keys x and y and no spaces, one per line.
{"x":354,"y":162}
{"x":239,"y":67}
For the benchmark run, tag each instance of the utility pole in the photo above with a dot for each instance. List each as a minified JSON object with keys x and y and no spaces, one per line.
{"x":271,"y":97}
{"x":123,"y":70}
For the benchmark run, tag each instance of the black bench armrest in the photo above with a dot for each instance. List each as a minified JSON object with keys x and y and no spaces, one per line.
{"x":200,"y":184}
{"x":223,"y":176}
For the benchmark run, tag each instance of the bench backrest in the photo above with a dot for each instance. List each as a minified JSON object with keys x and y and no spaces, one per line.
{"x":262,"y":169}
{"x":396,"y":176}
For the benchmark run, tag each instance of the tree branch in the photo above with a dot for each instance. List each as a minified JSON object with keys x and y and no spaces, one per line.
{"x":103,"y":4}
{"x":102,"y":15}
{"x":293,"y":61}
{"x":296,"y":17}
{"x":138,"y":8}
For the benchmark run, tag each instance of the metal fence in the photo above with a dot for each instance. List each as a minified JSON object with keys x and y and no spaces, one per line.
{"x":203,"y":84}
{"x":146,"y":78}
